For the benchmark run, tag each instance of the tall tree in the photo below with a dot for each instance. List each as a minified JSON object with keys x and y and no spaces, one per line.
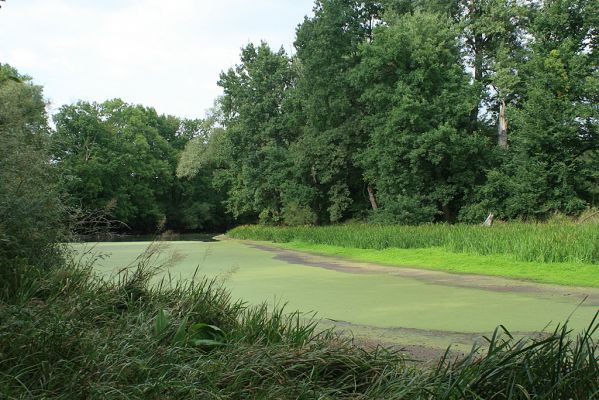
{"x":420,"y":157}
{"x":553,"y":160}
{"x":327,"y":50}
{"x":256,"y":167}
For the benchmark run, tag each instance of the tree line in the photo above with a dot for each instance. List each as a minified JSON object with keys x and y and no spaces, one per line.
{"x":395,"y":111}
{"x":413,"y":111}
{"x":118,"y":162}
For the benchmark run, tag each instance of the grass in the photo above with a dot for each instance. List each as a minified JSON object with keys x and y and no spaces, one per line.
{"x":560,"y":254}
{"x":575,"y":274}
{"x":536,"y":242}
{"x":76,"y":336}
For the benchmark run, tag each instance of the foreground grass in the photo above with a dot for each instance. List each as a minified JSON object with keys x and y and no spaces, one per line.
{"x":558,"y":254}
{"x":70,"y":335}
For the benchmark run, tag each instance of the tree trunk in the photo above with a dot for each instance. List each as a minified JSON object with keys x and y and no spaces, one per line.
{"x":502,"y":127}
{"x":476,"y":42}
{"x":447,"y":214}
{"x":372,"y":198}
{"x":477,"y":75}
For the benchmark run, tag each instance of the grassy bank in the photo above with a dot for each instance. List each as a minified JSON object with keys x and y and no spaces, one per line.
{"x":548,"y":243}
{"x":75,"y":336}
{"x":565,"y":254}
{"x":573,"y":274}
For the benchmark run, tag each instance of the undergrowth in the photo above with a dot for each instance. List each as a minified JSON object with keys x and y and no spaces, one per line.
{"x":77,"y":336}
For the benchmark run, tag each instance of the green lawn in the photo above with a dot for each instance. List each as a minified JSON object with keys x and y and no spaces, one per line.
{"x":574,"y":274}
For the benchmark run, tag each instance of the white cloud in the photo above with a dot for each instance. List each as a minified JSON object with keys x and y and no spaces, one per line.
{"x":162,"y":54}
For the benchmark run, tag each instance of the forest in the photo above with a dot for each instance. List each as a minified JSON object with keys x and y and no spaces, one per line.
{"x":387,"y":111}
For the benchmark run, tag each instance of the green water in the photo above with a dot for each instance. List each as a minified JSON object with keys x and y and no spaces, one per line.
{"x":371,"y":300}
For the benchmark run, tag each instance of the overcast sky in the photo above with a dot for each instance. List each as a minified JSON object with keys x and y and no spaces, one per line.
{"x":164,"y":54}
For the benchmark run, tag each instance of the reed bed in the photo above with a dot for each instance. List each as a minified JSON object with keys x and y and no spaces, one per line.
{"x":538,"y":242}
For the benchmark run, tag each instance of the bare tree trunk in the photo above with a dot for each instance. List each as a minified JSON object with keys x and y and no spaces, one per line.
{"x":372,"y":198}
{"x":502,"y":127}
{"x":489,"y":220}
{"x":476,"y":42}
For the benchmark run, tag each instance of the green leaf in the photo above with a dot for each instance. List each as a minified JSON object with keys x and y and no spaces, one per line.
{"x":161,"y":323}
{"x":179,"y":337}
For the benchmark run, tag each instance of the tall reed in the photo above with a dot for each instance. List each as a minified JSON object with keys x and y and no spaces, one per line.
{"x":525,"y":241}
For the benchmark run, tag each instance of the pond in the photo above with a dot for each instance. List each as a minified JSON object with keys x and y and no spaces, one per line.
{"x":394,"y":309}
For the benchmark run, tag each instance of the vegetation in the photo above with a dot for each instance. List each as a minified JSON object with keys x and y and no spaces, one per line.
{"x":389,"y":111}
{"x":383,"y":123}
{"x":563,"y":273}
{"x":81,"y":337}
{"x":118,"y":161}
{"x":412,"y":112}
{"x":65,"y":333}
{"x":561,"y":253}
{"x":374,"y":117}
{"x":31,"y":213}
{"x":547,"y":243}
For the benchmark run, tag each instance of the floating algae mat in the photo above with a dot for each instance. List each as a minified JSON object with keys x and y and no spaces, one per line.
{"x":408,"y":308}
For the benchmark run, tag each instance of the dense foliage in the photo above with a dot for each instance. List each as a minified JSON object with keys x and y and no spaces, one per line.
{"x":391,"y":111}
{"x":31,"y":211}
{"x":414,"y":111}
{"x":119,"y":160}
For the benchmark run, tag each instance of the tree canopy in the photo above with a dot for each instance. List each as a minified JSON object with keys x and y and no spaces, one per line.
{"x":416,"y":111}
{"x":122,"y":159}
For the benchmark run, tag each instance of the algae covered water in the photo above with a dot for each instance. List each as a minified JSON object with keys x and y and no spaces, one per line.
{"x":397,"y":308}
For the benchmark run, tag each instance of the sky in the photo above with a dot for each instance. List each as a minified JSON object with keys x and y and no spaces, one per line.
{"x":163,"y":54}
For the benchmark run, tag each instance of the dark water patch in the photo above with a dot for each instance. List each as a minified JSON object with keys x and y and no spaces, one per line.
{"x":171,"y":237}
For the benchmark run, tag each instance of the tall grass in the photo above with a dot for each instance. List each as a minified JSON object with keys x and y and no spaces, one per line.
{"x":566,"y":242}
{"x":141,"y":337}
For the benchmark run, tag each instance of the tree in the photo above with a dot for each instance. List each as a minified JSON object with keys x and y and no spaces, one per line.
{"x":122,"y":158}
{"x":327,"y":51}
{"x":421,"y":158}
{"x":553,"y":160}
{"x":252,"y":149}
{"x":32,"y":216}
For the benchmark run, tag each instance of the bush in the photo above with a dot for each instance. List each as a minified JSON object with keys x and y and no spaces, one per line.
{"x":295,"y":214}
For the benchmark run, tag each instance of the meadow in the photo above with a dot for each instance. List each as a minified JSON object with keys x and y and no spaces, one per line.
{"x":564,"y":253}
